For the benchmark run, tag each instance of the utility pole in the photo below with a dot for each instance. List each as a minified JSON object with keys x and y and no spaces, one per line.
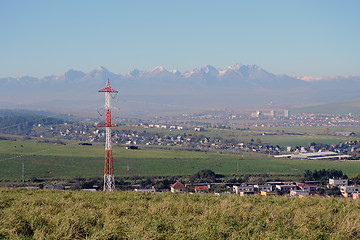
{"x":109,"y":182}
{"x":23,"y":172}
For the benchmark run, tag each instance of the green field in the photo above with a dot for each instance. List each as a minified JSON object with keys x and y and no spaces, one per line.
{"x":331,"y":108}
{"x":47,"y":160}
{"x":127,"y":215}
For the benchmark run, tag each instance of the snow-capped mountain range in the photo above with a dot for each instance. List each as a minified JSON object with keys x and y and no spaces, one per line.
{"x":237,"y":86}
{"x":250,"y":73}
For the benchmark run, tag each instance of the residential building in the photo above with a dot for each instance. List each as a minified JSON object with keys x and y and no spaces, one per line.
{"x":286,"y":188}
{"x":348,"y":191}
{"x":303,"y":155}
{"x":336,"y":182}
{"x":242,"y":194}
{"x":178,"y":187}
{"x":297,"y":193}
{"x":263,"y":188}
{"x":345,"y":134}
{"x":145,"y":190}
{"x":202,"y":189}
{"x":243,"y":188}
{"x":54,"y":187}
{"x":307,"y":187}
{"x":269,"y":194}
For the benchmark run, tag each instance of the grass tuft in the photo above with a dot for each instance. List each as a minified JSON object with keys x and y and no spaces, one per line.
{"x":127,"y":215}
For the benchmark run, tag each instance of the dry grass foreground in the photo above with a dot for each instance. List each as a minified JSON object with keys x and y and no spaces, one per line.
{"x":127,"y":215}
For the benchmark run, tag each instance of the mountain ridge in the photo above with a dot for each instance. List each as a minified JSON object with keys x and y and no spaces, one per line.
{"x":160,"y":89}
{"x":237,"y":70}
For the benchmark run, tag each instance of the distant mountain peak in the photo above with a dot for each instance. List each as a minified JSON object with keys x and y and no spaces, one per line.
{"x":72,"y":75}
{"x":204,"y":70}
{"x":158,"y":69}
{"x":101,"y":69}
{"x":71,"y":70}
{"x":235,"y":66}
{"x":133,"y":73}
{"x":255,"y":67}
{"x":175,"y":72}
{"x":209,"y":68}
{"x":238,"y":68}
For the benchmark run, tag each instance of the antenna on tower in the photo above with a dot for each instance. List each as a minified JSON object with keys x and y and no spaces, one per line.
{"x":109,"y":182}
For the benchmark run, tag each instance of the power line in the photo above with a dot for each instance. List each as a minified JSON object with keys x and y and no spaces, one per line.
{"x":27,"y":121}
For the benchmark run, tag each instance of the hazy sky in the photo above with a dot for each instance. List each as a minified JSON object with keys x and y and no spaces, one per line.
{"x":297,"y":38}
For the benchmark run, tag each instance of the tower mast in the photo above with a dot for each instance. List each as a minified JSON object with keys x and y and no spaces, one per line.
{"x":109,"y":182}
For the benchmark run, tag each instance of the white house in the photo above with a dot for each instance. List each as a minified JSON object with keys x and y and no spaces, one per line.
{"x":297,"y":193}
{"x":263,"y":188}
{"x":239,"y":189}
{"x":285,"y":188}
{"x":145,"y":190}
{"x":336,"y":182}
{"x":347,"y":191}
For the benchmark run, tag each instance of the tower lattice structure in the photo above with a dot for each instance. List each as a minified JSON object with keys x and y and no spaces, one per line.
{"x":109,"y":182}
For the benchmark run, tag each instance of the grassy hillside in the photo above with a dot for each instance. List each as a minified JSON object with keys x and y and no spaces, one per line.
{"x":332,"y":108}
{"x":47,"y":160}
{"x":127,"y":215}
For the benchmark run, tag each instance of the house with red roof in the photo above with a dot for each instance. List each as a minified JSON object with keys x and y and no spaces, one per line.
{"x":178,"y":187}
{"x":202,"y":189}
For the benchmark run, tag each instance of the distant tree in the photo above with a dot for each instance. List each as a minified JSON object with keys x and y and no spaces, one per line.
{"x":245,"y":178}
{"x":312,"y":144}
{"x":232,"y":180}
{"x":323,"y":175}
{"x":163,"y":184}
{"x":204,"y":175}
{"x":148,"y":182}
{"x":334,"y":191}
{"x":256,"y":180}
{"x":356,"y":178}
{"x":308,"y":175}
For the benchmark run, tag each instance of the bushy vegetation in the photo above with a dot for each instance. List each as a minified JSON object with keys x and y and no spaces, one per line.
{"x":323,"y":175}
{"x":127,"y":215}
{"x":206,"y":175}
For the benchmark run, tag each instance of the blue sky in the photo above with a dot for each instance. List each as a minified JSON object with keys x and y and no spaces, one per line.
{"x":297,"y":38}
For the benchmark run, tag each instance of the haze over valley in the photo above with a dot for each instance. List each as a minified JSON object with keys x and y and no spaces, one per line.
{"x":162,"y":91}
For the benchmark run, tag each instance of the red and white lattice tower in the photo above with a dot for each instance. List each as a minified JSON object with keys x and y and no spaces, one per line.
{"x":109,"y":182}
